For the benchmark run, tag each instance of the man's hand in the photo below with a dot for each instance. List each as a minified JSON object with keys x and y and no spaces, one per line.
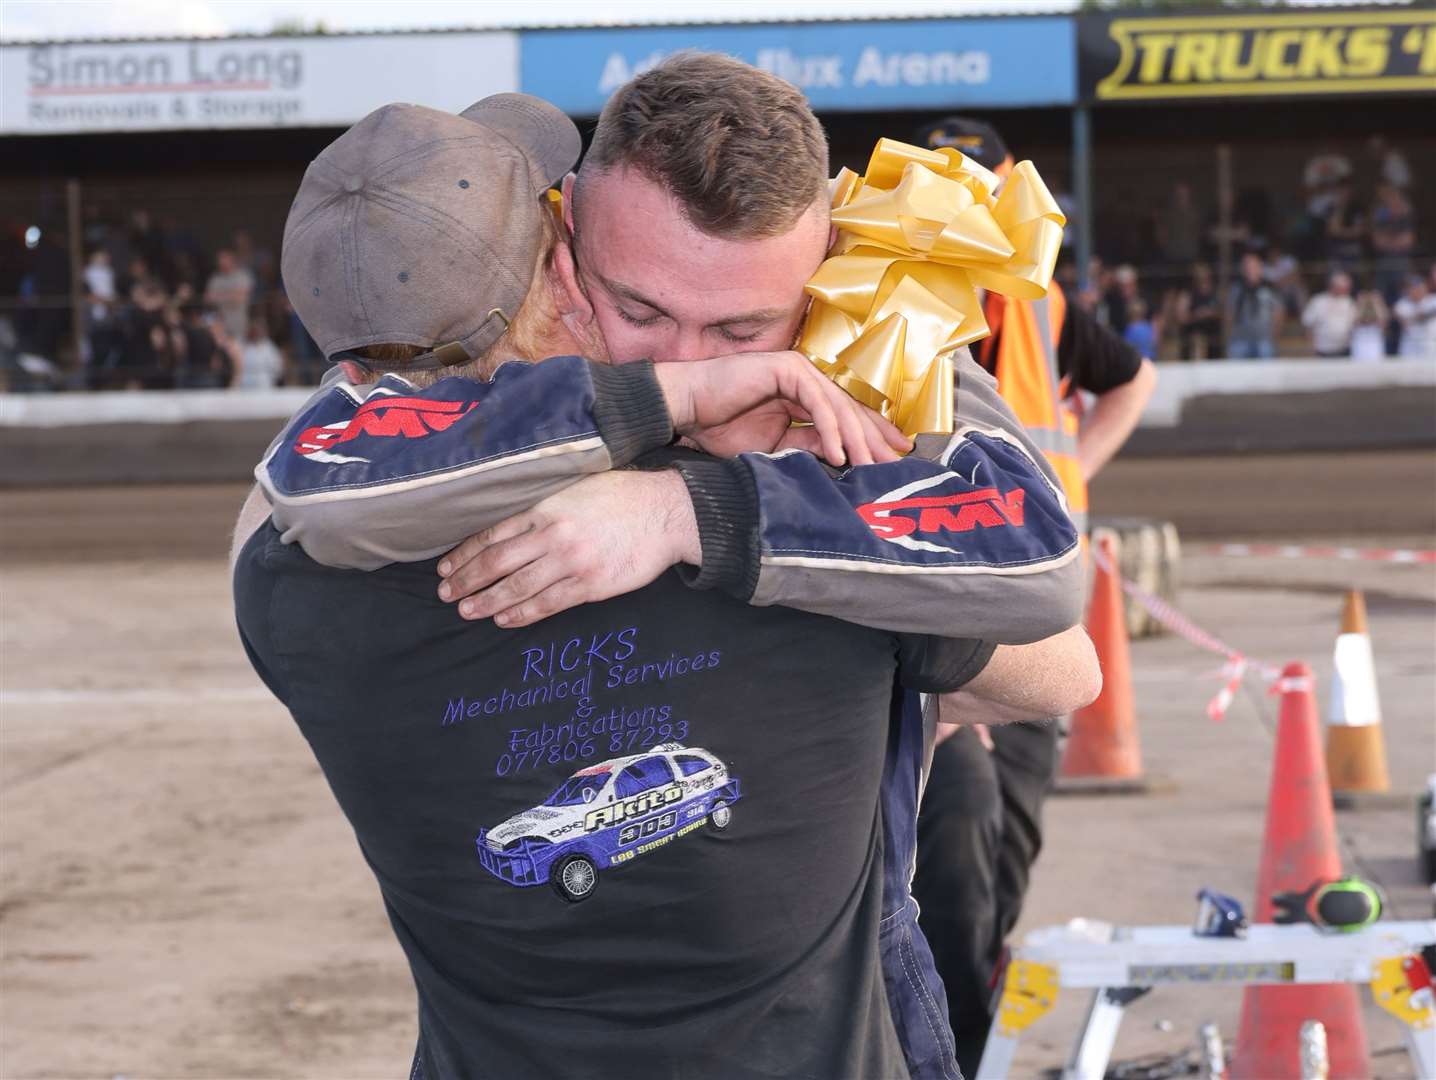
{"x":605,"y":536}
{"x":747,"y":402}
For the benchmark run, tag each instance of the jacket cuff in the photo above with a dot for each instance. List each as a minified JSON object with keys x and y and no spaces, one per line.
{"x":630,"y":410}
{"x":725,"y":504}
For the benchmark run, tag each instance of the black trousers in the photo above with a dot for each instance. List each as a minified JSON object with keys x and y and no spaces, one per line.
{"x":1210,"y":333}
{"x":978,"y":835}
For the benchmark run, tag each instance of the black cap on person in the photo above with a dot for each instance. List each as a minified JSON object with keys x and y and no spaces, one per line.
{"x":972,"y":138}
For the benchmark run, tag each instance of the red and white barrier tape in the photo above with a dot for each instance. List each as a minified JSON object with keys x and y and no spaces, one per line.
{"x":1313,"y":551}
{"x":1218,"y":706}
{"x":1238,"y":663}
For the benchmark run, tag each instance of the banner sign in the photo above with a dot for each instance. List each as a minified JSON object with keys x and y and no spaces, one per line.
{"x":927,"y":63}
{"x":1314,"y":51}
{"x":244,"y":82}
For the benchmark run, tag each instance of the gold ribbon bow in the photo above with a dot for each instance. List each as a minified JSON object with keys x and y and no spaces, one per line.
{"x":918,"y":233}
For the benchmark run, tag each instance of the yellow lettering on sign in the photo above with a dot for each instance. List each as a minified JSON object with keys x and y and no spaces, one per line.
{"x":1230,"y":67}
{"x":1411,"y":43}
{"x":1320,"y":54}
{"x":1307,"y":52}
{"x":1368,"y":51}
{"x":1154,"y":49}
{"x":1195,"y":58}
{"x":1274,"y":63}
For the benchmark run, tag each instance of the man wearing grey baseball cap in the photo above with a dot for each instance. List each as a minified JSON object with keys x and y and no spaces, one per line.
{"x":743,"y":402}
{"x":419,"y":241}
{"x":531,"y":706}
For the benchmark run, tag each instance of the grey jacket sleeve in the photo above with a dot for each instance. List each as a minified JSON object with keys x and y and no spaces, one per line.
{"x":968,"y":536}
{"x":365,"y":476}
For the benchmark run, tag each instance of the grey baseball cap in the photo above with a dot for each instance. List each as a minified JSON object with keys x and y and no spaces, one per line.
{"x":421,"y":227}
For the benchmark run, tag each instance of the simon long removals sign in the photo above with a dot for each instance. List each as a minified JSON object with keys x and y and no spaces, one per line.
{"x":244,"y":82}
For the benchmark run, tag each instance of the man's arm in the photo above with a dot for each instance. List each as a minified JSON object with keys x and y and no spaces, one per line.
{"x":1030,"y":682}
{"x":1112,"y":419}
{"x":386,"y":473}
{"x":980,"y":685}
{"x":1024,"y":684}
{"x":967,"y":535}
{"x":251,"y":517}
{"x":1098,"y":361}
{"x":364,"y":476}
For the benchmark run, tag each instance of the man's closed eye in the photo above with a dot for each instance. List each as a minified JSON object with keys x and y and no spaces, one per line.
{"x":634,"y":320}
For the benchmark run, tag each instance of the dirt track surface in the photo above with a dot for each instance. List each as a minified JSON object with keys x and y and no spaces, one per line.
{"x":1231,"y":497}
{"x":179,"y":896}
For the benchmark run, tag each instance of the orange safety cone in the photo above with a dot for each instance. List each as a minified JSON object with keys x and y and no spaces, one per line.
{"x":1102,"y":750}
{"x":1355,"y":749}
{"x":1299,"y":847}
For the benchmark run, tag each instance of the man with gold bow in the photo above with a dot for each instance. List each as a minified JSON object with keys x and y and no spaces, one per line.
{"x":969,"y":535}
{"x":980,"y":828}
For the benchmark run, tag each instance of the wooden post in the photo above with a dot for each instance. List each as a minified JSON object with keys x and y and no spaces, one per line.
{"x":75,"y":227}
{"x":1225,"y":205}
{"x":1082,"y":187}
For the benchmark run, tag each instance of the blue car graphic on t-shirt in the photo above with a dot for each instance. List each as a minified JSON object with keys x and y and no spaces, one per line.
{"x":609,"y":814}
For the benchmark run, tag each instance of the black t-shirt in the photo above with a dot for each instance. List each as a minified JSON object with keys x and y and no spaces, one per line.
{"x":639,"y":838}
{"x":203,"y":360}
{"x":1096,"y":358}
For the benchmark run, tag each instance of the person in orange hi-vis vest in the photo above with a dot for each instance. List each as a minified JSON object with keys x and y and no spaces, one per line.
{"x":980,"y":827}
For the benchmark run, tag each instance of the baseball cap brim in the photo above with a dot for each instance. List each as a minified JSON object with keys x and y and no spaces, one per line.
{"x":547,"y":136}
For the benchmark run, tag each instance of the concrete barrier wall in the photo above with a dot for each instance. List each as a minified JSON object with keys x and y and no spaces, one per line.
{"x":139,"y":436}
{"x":1181,"y":384}
{"x":1206,"y":408}
{"x":1234,"y":406}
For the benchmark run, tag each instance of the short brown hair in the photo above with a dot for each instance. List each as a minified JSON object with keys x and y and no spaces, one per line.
{"x":709,"y":129}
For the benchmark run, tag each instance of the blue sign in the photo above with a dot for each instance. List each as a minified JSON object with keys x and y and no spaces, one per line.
{"x":859,"y":66}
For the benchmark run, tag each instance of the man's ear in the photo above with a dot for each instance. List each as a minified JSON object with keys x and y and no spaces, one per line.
{"x":355,"y":374}
{"x":563,"y":282}
{"x":566,"y":189}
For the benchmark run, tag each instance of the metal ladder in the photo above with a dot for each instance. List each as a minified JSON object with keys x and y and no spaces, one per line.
{"x":1120,"y":964}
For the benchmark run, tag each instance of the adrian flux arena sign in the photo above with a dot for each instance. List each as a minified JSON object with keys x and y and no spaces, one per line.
{"x":938,"y":63}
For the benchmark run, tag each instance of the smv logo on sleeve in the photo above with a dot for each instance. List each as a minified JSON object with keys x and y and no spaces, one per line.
{"x":382,"y":417}
{"x":898,"y":514}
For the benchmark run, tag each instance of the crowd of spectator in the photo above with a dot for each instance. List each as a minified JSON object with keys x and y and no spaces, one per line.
{"x":1338,"y":274}
{"x":1342,"y":280}
{"x":160,"y":312}
{"x":1266,"y":303}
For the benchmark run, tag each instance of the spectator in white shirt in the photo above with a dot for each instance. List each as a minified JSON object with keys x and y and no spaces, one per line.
{"x":1330,"y":316}
{"x":1283,"y":273}
{"x":1391,"y":165}
{"x":1368,"y":338}
{"x":100,"y":278}
{"x":1416,"y":311}
{"x":230,"y":288}
{"x":260,"y":361}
